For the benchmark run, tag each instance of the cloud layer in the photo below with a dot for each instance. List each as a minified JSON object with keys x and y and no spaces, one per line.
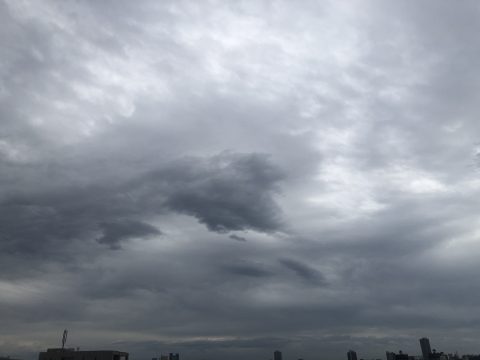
{"x":223,"y":179}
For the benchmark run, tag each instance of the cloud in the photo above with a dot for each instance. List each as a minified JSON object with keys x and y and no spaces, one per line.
{"x":237,"y":237}
{"x":225,"y":192}
{"x":246,"y":270}
{"x":114,"y":233}
{"x":352,"y":170}
{"x":304,"y":271}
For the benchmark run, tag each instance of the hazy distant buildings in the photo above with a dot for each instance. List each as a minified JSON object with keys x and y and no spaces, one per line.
{"x":277,"y":355}
{"x":351,"y":355}
{"x":171,"y":356}
{"x":72,"y":354}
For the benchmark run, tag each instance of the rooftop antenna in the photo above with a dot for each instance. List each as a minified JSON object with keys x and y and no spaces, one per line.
{"x":64,"y":338}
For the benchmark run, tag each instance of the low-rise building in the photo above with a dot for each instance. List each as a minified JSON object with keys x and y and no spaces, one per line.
{"x":72,"y":354}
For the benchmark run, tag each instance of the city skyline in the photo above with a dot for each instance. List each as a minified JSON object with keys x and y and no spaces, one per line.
{"x":64,"y":353}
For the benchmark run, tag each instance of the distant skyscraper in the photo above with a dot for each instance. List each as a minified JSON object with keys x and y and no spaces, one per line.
{"x":173,"y":356}
{"x":277,"y":355}
{"x":351,"y":355}
{"x":426,"y":350}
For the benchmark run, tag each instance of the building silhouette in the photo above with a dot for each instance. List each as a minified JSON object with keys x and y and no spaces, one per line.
{"x":434,"y":355}
{"x":400,"y":356}
{"x":426,"y":349}
{"x":277,"y":355}
{"x":390,"y":355}
{"x":72,"y":354}
{"x":170,"y":356}
{"x":351,"y":355}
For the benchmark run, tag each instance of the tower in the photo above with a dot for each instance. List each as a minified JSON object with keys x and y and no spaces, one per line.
{"x":351,"y":355}
{"x":277,"y":355}
{"x":426,"y":350}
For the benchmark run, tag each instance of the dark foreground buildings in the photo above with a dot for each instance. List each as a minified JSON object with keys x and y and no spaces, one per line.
{"x":400,"y":356}
{"x":72,"y":354}
{"x":427,"y":354}
{"x":351,"y":355}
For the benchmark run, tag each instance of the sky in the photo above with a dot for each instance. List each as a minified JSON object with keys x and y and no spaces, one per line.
{"x":227,"y":178}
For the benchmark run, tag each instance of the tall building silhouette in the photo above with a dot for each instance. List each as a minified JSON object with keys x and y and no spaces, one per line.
{"x":351,"y":355}
{"x":426,"y":349}
{"x":277,"y":355}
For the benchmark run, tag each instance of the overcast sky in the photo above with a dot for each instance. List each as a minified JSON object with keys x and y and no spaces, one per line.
{"x":227,"y":178}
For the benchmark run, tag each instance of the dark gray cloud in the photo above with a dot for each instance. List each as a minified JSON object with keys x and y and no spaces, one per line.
{"x":225,"y":192}
{"x":237,"y":237}
{"x":113,"y":233}
{"x":304,"y":271}
{"x":247,"y":270}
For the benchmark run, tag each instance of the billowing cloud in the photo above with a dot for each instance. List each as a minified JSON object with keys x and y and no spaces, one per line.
{"x":225,"y":192}
{"x":230,"y":192}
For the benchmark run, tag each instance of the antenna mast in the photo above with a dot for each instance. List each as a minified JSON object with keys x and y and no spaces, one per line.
{"x":64,"y":338}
